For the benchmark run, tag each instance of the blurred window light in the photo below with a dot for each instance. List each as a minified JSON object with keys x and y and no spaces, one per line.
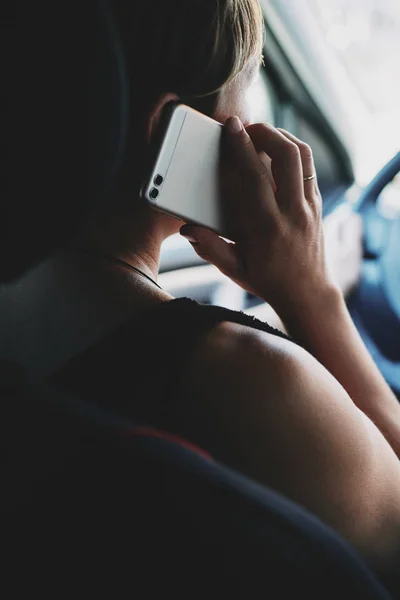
{"x":365,"y":36}
{"x":260,"y":99}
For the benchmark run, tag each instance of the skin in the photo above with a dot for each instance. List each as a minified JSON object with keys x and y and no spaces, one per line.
{"x":318,"y":424}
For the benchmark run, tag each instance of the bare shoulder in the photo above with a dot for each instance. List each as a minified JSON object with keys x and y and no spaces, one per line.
{"x":238,"y":357}
{"x":268,"y":408}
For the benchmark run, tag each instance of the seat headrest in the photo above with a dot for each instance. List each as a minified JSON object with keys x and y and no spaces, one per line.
{"x":68,"y":113}
{"x":108,"y":101}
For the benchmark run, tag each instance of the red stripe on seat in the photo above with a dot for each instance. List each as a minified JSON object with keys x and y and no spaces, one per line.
{"x":169,"y":437}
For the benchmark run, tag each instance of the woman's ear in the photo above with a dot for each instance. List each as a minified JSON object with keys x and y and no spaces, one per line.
{"x":155,"y":114}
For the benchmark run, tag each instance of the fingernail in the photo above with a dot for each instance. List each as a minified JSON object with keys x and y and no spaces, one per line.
{"x":235,"y":125}
{"x":190,"y":238}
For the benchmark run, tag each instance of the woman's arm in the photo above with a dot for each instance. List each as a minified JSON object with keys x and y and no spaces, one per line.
{"x":325,"y":328}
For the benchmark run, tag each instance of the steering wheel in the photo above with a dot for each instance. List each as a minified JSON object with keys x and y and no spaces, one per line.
{"x":375,"y":304}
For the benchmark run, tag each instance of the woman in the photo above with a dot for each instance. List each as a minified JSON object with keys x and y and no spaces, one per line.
{"x":313,"y":419}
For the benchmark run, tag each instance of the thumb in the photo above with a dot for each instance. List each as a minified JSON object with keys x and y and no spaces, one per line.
{"x":212,"y":248}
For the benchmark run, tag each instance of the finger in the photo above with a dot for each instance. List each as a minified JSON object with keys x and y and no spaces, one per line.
{"x":307,"y":161}
{"x":267,"y":162}
{"x":286,"y":164}
{"x":255,"y":171}
{"x":210,"y":247}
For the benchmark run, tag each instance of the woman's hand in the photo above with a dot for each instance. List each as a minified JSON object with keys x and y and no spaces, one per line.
{"x":276,"y":220}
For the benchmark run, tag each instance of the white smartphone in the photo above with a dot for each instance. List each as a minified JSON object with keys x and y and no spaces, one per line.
{"x":183,"y":179}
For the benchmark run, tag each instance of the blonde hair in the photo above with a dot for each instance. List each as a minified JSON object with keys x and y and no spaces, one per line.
{"x":190,"y":47}
{"x":238,"y":30}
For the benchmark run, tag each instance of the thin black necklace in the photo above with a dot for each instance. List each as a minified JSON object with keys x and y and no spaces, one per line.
{"x":121,"y":262}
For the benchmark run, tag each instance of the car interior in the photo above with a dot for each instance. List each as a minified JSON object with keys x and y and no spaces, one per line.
{"x":95,"y":503}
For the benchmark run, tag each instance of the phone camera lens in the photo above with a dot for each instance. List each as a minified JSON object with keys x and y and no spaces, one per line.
{"x":158,"y":179}
{"x":153,"y":193}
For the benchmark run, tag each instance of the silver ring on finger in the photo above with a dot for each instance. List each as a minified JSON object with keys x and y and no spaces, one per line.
{"x":309,"y":178}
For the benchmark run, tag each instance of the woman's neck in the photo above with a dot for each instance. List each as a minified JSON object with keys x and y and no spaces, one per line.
{"x":132,"y":238}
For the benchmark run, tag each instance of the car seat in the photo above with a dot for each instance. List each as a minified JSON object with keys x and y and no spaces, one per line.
{"x":93,"y":503}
